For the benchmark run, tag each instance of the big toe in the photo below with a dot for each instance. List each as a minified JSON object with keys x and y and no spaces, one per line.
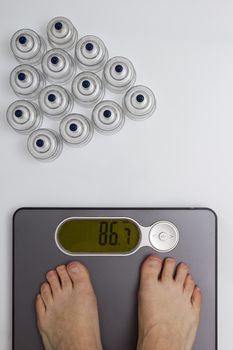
{"x":150,"y":271}
{"x":79,"y":275}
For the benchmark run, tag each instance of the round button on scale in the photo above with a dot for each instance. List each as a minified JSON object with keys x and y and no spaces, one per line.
{"x":164,"y":236}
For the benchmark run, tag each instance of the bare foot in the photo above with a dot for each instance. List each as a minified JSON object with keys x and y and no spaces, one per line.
{"x":169,"y":307}
{"x":66,"y":309}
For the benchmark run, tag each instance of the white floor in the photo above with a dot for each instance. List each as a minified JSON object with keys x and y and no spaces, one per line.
{"x":182,"y":156}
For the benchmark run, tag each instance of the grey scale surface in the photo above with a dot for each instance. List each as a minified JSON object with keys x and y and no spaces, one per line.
{"x":115,"y":279}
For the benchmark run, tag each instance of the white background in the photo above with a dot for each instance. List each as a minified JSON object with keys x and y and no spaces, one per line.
{"x":182,"y":156}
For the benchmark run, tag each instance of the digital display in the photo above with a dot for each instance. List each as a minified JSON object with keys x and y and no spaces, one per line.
{"x":98,"y":235}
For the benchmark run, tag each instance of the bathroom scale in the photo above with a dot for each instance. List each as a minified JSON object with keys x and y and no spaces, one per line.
{"x":112,"y":243}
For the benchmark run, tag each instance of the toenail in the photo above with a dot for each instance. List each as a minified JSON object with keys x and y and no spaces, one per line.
{"x":155,"y":258}
{"x":73,"y":268}
{"x":170,"y":260}
{"x":154,"y":261}
{"x":190,"y":277}
{"x":44,"y":285}
{"x":50,"y":273}
{"x":184,"y":266}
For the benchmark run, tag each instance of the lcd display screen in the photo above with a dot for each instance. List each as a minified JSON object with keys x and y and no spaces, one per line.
{"x":98,"y":235}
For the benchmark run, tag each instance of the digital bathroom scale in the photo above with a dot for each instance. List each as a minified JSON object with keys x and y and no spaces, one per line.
{"x":112,"y":243}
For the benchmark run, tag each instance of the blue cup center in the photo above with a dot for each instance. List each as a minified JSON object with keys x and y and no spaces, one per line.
{"x":140,"y":98}
{"x":51,"y":97}
{"x":89,"y":46}
{"x":21,"y":76}
{"x":107,"y":113}
{"x":119,"y":68}
{"x":54,"y":60}
{"x":86,"y":84}
{"x":22,"y":40}
{"x":73,"y":127}
{"x":58,"y":25}
{"x":18,"y":113}
{"x":40,"y":143}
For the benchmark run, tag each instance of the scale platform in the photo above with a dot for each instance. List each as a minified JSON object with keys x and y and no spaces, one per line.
{"x":112,"y":243}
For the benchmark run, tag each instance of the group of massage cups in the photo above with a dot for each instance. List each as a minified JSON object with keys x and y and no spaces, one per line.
{"x":87,"y":88}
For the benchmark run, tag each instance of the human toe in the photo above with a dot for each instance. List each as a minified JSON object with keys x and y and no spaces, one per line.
{"x":66,"y":282}
{"x":181,"y":273}
{"x":189,"y":286}
{"x":150,"y":271}
{"x":53,"y":280}
{"x":168,"y":270}
{"x":46,"y":294}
